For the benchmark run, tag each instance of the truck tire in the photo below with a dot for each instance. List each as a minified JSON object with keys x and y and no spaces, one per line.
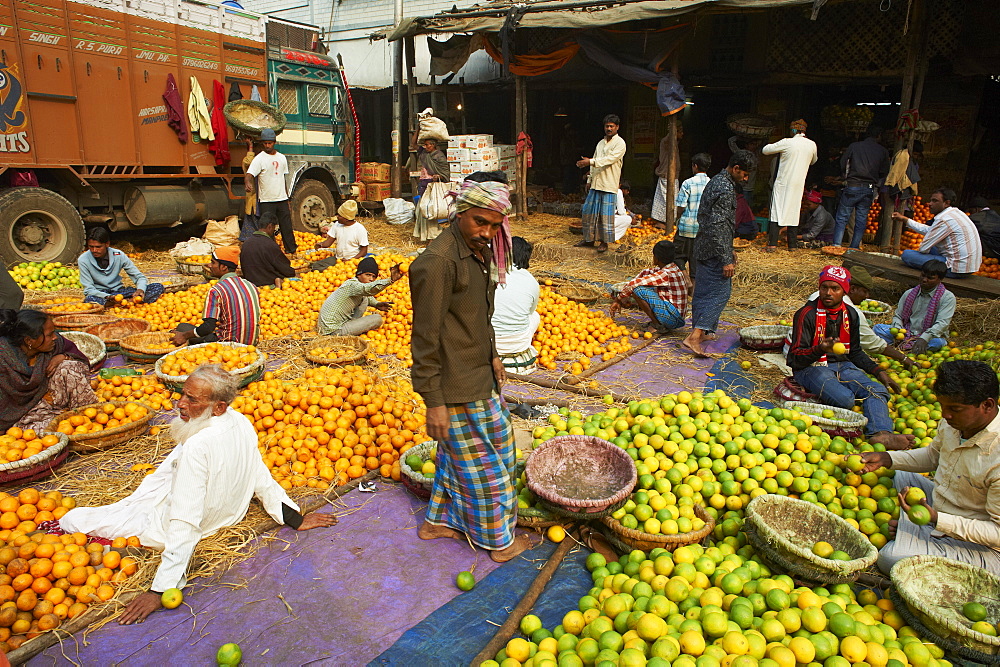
{"x":38,"y":225}
{"x":312,"y":203}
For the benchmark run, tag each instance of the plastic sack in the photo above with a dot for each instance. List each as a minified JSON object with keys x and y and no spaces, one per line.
{"x":193,"y":246}
{"x":435,"y":203}
{"x":398,"y":211}
{"x":433,"y":128}
{"x":223,"y":233}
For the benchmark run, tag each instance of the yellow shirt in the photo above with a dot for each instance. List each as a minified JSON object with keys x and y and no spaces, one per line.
{"x":606,"y":165}
{"x":967,"y":481}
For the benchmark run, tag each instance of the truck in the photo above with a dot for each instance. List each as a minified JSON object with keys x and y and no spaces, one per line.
{"x":85,"y":130}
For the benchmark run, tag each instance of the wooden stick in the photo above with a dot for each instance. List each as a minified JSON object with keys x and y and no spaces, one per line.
{"x":524,"y":606}
{"x":558,"y":402}
{"x":576,"y":379}
{"x":562,"y":386}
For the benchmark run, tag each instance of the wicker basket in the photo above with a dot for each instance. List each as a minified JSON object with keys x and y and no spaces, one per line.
{"x":845,"y":423}
{"x":789,"y":527}
{"x":190,"y":268}
{"x":934,"y":590}
{"x":789,"y":390}
{"x":247,"y":374}
{"x":751,"y":126}
{"x":108,"y":438}
{"x":833,"y":250}
{"x":638,"y":539}
{"x":39,"y":304}
{"x":171,"y":285}
{"x":418,"y":485}
{"x":91,"y":346}
{"x":354,"y":349}
{"x":580,"y":293}
{"x":251,"y":116}
{"x":765,"y":336}
{"x":81,"y":309}
{"x":36,"y":467}
{"x":137,"y":347}
{"x":113,"y":332}
{"x":884,"y":315}
{"x":608,"y":470}
{"x":81,"y":322}
{"x":741,"y":244}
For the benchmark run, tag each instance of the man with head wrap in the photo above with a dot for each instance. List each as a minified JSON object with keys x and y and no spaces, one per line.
{"x":458,"y":372}
{"x":795,"y":155}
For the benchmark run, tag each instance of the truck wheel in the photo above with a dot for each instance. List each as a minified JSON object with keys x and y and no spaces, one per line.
{"x":312,"y":202}
{"x":38,"y":225}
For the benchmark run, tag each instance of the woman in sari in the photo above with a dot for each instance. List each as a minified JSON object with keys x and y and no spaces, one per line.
{"x":42,"y":374}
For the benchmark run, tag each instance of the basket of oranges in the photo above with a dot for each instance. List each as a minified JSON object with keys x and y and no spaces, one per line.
{"x":81,"y":322}
{"x":243,"y":361}
{"x":337,"y":350}
{"x":102,"y":425}
{"x":26,"y":456}
{"x":74,"y":308}
{"x":146,"y":348}
{"x":193,"y":265}
{"x":112,"y":333}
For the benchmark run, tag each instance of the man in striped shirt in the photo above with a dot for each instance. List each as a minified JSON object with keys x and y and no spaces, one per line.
{"x":232,"y":308}
{"x":951,"y":236}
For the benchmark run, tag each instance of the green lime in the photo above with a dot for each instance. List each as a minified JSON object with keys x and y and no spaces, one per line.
{"x":465,"y":581}
{"x":229,"y":655}
{"x":974,"y":611}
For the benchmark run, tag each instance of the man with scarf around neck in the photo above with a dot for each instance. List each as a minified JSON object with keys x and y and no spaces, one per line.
{"x":838,"y":376}
{"x":925,"y":312}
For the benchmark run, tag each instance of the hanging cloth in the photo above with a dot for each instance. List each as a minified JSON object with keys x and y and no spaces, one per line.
{"x":220,"y":143}
{"x":535,"y":64}
{"x":198,"y":116}
{"x":255,"y":95}
{"x":898,"y":173}
{"x":524,"y":146}
{"x":234,"y":92}
{"x":452,"y":54}
{"x":175,"y":109}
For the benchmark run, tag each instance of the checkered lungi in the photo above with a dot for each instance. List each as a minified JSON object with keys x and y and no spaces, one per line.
{"x":666,"y":312}
{"x":598,"y":216}
{"x":153,"y":292}
{"x":473,"y":489}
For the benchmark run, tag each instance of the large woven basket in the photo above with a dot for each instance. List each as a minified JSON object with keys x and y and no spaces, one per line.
{"x":252,"y":116}
{"x":884,"y":315}
{"x":789,"y":390}
{"x":929,"y":592}
{"x":765,"y":336}
{"x":580,"y":475}
{"x":789,"y":527}
{"x":113,"y":332}
{"x":39,"y":304}
{"x":533,"y":517}
{"x":181,"y":283}
{"x":137,"y":347}
{"x":108,"y":438}
{"x":413,"y":480}
{"x":845,"y":423}
{"x":750,"y":126}
{"x":81,"y":309}
{"x":741,"y":244}
{"x":81,"y":322}
{"x":91,"y":346}
{"x":190,"y":268}
{"x":580,"y":293}
{"x":354,"y":349}
{"x":638,"y":539}
{"x":247,"y":374}
{"x":36,"y":467}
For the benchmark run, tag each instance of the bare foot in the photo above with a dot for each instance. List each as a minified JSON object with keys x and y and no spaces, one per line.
{"x":693,"y":344}
{"x":429,"y":531}
{"x":521,"y":544}
{"x":893,"y":441}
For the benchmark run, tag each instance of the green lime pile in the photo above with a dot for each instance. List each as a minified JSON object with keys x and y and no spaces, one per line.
{"x":718,"y":452}
{"x":716,"y":607}
{"x":422,"y":464}
{"x":871,"y":306}
{"x":45,"y":275}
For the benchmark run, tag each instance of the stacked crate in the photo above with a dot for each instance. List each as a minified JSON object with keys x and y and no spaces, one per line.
{"x":375,"y":177}
{"x":469,"y":153}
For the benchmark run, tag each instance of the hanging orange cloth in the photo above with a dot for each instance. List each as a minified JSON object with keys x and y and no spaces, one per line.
{"x":535,"y":64}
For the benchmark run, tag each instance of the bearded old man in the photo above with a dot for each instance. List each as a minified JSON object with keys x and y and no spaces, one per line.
{"x":205,"y":484}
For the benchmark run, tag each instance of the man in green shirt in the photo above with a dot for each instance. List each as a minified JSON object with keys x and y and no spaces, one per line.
{"x":343,"y":312}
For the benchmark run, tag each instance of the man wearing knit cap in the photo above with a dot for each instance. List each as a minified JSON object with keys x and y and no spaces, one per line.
{"x":350,"y":235}
{"x":795,"y":155}
{"x":343,"y":312}
{"x":826,"y":357}
{"x":817,"y":223}
{"x":457,"y":371}
{"x":232,"y":307}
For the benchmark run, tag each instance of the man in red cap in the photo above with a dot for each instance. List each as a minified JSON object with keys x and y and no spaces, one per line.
{"x":232,"y":307}
{"x":817,"y":224}
{"x":825,"y":355}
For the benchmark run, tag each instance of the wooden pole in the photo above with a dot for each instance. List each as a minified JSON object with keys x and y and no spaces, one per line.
{"x":674,"y":165}
{"x":503,"y":635}
{"x":521,"y":125}
{"x":411,"y":88}
{"x":577,"y":379}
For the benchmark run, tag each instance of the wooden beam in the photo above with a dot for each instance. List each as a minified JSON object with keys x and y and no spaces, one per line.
{"x":674,"y":166}
{"x":521,"y":125}
{"x":411,"y":89}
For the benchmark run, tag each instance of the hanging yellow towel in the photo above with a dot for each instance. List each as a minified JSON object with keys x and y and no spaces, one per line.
{"x":897,"y":172}
{"x":198,"y":116}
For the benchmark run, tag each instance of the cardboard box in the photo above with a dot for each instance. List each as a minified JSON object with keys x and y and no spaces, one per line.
{"x":383,"y":173}
{"x":377,"y":191}
{"x":508,"y":164}
{"x":506,"y":150}
{"x":484,"y":154}
{"x":467,"y":168}
{"x":479,"y":141}
{"x":459,"y":155}
{"x":369,"y":172}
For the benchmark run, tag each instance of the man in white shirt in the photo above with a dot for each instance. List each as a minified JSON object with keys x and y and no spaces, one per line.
{"x":598,"y":216}
{"x":350,"y":235}
{"x":205,"y":484}
{"x":266,"y":177}
{"x":515,"y":315}
{"x":796,"y":154}
{"x":951,"y":236}
{"x":623,"y":218}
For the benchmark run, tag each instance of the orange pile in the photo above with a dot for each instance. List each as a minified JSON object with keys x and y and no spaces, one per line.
{"x":106,"y":416}
{"x":69,"y":307}
{"x":569,"y":327}
{"x":989,"y":268}
{"x":145,"y":389}
{"x":45,"y":579}
{"x":644,"y":232}
{"x":57,"y":300}
{"x":920,"y":214}
{"x":874,"y":217}
{"x":173,"y":308}
{"x":185,"y":360}
{"x":332,"y":424}
{"x":303,"y":240}
{"x":910,"y":240}
{"x":19,"y":444}
{"x":197,"y":259}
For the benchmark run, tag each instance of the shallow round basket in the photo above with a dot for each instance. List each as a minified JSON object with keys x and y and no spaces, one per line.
{"x":36,"y":467}
{"x":789,"y":527}
{"x":353,"y":349}
{"x":137,"y":348}
{"x":113,"y":332}
{"x":533,"y":517}
{"x":80,"y":309}
{"x":247,"y":374}
{"x":190,"y":268}
{"x":580,"y":475}
{"x":741,"y":244}
{"x":576,"y":227}
{"x":765,"y":336}
{"x":108,"y":438}
{"x":91,"y":346}
{"x":252,"y":116}
{"x":180,"y":283}
{"x":845,"y":423}
{"x":81,"y":322}
{"x":879,"y":315}
{"x":750,"y":126}
{"x":580,"y":293}
{"x":833,"y":250}
{"x":934,"y":589}
{"x":638,"y":539}
{"x":39,"y":303}
{"x":413,"y":480}
{"x":789,"y":390}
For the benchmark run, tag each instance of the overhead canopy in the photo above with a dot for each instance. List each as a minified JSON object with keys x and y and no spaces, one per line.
{"x":581,"y":14}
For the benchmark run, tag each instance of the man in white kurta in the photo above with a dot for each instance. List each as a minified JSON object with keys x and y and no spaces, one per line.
{"x":515,"y":315}
{"x":205,"y":484}
{"x":796,"y":154}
